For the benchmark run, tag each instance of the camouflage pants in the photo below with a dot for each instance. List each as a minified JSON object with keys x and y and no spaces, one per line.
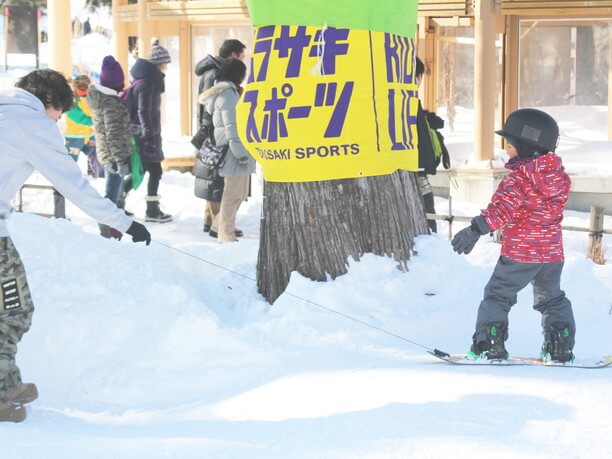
{"x":16,"y":310}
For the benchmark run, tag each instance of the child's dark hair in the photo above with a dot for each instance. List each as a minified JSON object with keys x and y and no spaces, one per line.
{"x":233,"y":70}
{"x":231,"y":46}
{"x":525,"y":150}
{"x":50,"y":87}
{"x":419,"y":69}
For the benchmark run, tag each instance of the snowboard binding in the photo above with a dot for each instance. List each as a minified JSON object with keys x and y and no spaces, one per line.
{"x":493,"y":347}
{"x":558,"y":343}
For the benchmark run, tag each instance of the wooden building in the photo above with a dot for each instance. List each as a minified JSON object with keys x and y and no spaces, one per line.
{"x":490,"y":29}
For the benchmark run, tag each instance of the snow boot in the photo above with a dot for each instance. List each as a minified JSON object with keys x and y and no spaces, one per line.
{"x":10,"y":412}
{"x":154,"y":213}
{"x":558,"y":343}
{"x":493,"y":347}
{"x":121,"y":205}
{"x":20,"y":395}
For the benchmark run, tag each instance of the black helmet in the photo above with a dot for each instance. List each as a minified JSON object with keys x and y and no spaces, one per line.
{"x":532,"y":127}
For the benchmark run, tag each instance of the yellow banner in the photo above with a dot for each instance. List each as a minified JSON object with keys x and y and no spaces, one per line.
{"x":324,"y":104}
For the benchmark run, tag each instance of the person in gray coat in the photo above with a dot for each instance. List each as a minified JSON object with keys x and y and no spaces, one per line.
{"x":221,"y":100}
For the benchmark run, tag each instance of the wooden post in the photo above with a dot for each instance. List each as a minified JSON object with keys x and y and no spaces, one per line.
{"x":430,"y":83}
{"x":594,"y":249}
{"x":60,"y":36}
{"x":610,"y":80}
{"x":186,"y":99}
{"x":511,"y":66}
{"x":484,"y":83}
{"x":120,"y":38}
{"x":145,"y":30}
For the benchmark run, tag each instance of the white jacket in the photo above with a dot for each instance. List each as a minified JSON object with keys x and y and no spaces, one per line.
{"x":30,"y":140}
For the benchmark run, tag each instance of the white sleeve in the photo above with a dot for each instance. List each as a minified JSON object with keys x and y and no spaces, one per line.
{"x":43,"y":148}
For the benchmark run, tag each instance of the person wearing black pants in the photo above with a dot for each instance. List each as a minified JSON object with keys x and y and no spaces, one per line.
{"x":144,"y":105}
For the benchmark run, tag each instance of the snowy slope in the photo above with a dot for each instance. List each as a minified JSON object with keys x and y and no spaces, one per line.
{"x":145,"y":352}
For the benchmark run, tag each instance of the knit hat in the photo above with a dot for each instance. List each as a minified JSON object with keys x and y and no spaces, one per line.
{"x":111,"y":75}
{"x":158,"y":54}
{"x":80,"y":85}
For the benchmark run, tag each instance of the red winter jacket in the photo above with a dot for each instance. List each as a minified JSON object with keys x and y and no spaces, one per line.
{"x":529,"y":205}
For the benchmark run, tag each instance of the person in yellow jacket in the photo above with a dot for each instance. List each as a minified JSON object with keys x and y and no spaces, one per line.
{"x":79,"y":125}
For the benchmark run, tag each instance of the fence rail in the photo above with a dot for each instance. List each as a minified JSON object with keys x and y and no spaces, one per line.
{"x":32,"y":187}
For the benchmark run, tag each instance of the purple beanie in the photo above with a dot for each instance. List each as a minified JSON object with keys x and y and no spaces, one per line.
{"x":112,"y":75}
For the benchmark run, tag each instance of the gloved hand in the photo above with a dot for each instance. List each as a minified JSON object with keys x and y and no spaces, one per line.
{"x":123,"y":169}
{"x":465,"y":240}
{"x":139,"y":233}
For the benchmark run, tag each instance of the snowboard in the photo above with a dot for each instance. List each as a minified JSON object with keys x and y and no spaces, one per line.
{"x":462,"y":359}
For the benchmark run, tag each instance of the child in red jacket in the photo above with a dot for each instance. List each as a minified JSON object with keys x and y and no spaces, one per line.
{"x":528,"y":206}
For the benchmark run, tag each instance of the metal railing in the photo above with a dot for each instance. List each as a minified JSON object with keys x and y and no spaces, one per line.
{"x":32,"y":187}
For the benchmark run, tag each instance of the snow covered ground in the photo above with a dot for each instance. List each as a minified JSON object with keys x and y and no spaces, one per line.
{"x":144,"y":352}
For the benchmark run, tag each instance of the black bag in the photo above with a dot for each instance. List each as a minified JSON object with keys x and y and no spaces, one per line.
{"x":206,"y":131}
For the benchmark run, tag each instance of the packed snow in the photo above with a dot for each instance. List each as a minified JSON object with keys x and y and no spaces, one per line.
{"x":148,"y":352}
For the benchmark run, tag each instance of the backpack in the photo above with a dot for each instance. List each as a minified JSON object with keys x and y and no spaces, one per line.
{"x":135,"y":128}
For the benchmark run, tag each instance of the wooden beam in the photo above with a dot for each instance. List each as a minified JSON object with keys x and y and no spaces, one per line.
{"x":446,"y":8}
{"x":431,"y":61}
{"x":455,"y":21}
{"x":511,"y":66}
{"x":555,"y":8}
{"x":202,"y":10}
{"x":609,"y":83}
{"x":145,"y":30}
{"x":126,"y":13}
{"x":120,"y":38}
{"x":185,"y":63}
{"x":60,"y":37}
{"x":484,"y":84}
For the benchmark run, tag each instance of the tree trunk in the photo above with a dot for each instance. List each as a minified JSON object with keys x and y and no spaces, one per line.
{"x":313,"y":227}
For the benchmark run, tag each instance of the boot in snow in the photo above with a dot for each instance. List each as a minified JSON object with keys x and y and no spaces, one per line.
{"x":20,"y":395}
{"x":493,"y":347}
{"x":154,"y":213}
{"x":10,"y":412}
{"x":558,"y":343}
{"x":121,"y":205}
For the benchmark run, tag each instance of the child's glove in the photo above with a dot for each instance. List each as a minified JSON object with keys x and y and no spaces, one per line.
{"x":465,"y":240}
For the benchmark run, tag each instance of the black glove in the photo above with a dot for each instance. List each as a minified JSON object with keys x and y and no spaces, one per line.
{"x":139,"y":233}
{"x":465,"y":240}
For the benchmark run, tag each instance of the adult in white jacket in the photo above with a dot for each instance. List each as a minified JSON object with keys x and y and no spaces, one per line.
{"x":29,"y":141}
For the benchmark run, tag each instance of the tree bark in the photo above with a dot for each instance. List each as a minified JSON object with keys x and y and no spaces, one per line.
{"x":313,"y":227}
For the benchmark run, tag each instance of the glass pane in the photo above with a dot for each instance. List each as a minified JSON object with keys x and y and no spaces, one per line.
{"x":563,"y":64}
